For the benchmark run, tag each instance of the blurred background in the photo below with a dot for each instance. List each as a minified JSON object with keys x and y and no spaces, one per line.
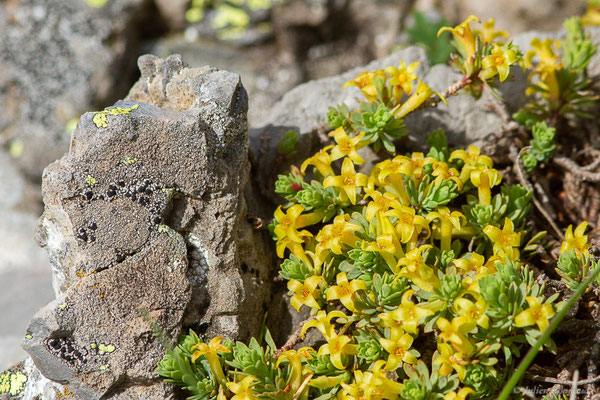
{"x":62,"y":58}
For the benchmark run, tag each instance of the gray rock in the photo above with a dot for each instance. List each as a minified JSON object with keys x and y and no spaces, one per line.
{"x":464,"y":120}
{"x":146,"y":227}
{"x":58,"y":60}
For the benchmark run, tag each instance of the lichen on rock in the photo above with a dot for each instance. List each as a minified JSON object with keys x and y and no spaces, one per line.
{"x":159,"y":241}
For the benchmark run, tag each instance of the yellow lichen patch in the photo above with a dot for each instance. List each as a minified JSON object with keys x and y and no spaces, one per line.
{"x":96,"y":3}
{"x":12,"y":382}
{"x":129,"y":160}
{"x":104,"y":367}
{"x":101,"y":117}
{"x":16,"y":149}
{"x":90,"y":180}
{"x":105,"y":348}
{"x":67,"y":392}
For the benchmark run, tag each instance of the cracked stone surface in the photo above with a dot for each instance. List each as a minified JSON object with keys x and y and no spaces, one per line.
{"x":145,"y":224}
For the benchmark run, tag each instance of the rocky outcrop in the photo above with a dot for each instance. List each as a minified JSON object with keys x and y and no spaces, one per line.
{"x":147,"y":231}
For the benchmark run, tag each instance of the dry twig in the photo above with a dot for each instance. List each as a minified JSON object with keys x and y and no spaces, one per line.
{"x":577,"y":170}
{"x":293,"y":340}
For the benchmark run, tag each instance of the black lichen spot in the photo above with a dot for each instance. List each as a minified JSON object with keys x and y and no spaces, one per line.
{"x":144,"y":201}
{"x":148,"y":191}
{"x":111,"y":193}
{"x":157,"y":220}
{"x":121,"y":183}
{"x":65,"y":348}
{"x":93,"y":226}
{"x":133,"y":196}
{"x":82,"y":234}
{"x":244,"y":268}
{"x":88,"y":195}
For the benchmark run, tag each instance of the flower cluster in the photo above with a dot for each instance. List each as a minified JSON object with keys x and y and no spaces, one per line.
{"x":391,"y":94}
{"x":482,"y":55}
{"x":575,"y":263}
{"x":558,"y":82}
{"x":412,"y":271}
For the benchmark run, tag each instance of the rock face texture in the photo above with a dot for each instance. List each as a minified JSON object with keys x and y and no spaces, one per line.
{"x":60,"y":59}
{"x":146,"y":228}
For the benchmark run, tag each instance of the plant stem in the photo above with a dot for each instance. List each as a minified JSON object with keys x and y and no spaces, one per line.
{"x":516,"y":377}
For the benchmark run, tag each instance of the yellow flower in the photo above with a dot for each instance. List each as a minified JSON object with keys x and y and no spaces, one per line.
{"x":321,"y":161}
{"x":323,"y":323}
{"x":243,"y":390}
{"x":443,"y":172}
{"x":504,"y":240}
{"x":295,"y":360}
{"x":449,"y":359}
{"x":304,"y":293}
{"x":484,"y":179}
{"x":545,"y":52}
{"x":407,"y":315}
{"x":210,"y":352}
{"x":372,"y":385}
{"x":537,"y":313}
{"x":402,"y":77}
{"x":364,"y":81}
{"x":348,"y":181}
{"x":475,"y":311}
{"x":446,"y":221}
{"x":347,"y":146}
{"x":470,"y":262}
{"x":423,"y":93}
{"x":471,"y":158}
{"x":344,"y":290}
{"x":464,"y":35}
{"x":397,"y":346}
{"x":455,"y":332}
{"x":488,"y":34}
{"x":381,"y":202}
{"x":408,"y":224}
{"x":334,"y":235}
{"x":592,"y":14}
{"x":479,"y":170}
{"x":497,"y":63}
{"x":548,"y":82}
{"x":336,"y":347}
{"x":576,"y":241}
{"x":289,"y":222}
{"x":417,"y":271}
{"x":296,"y":248}
{"x":386,"y":243}
{"x":461,"y":395}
